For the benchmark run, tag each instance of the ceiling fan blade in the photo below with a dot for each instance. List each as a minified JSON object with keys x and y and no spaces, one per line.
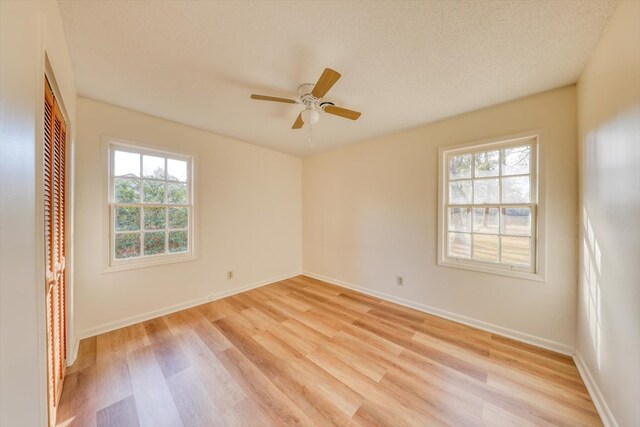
{"x":298,"y":123}
{"x":273,"y":98}
{"x":326,"y":81}
{"x":342,"y":112}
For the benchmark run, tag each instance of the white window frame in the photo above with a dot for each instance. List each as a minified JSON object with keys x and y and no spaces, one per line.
{"x":537,"y":203}
{"x":109,"y":146}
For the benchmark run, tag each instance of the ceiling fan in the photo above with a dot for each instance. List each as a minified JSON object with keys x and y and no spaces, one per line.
{"x":311,"y":97}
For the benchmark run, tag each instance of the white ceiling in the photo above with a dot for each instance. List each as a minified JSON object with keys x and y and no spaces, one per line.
{"x":402,"y":63}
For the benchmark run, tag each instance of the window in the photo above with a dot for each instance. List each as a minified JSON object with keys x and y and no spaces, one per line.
{"x":489,"y":206}
{"x":150,"y":204}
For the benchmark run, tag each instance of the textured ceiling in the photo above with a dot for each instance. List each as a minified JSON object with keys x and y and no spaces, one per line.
{"x":402,"y":63}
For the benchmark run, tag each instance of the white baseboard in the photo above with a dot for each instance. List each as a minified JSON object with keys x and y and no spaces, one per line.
{"x":73,"y":353}
{"x":486,"y":326}
{"x":107,"y":327}
{"x":594,"y":391}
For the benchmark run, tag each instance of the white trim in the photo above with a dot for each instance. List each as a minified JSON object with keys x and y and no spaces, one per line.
{"x":594,"y":391}
{"x":107,"y":327}
{"x":480,"y":324}
{"x":73,"y":353}
{"x":150,"y":261}
{"x":491,"y":270}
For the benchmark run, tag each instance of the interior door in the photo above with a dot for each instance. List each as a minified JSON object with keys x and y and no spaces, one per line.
{"x":54,"y":157}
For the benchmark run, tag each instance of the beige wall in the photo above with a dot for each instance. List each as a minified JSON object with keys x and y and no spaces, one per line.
{"x":248,"y":219}
{"x":608,"y":332}
{"x":370,"y":214}
{"x":29,"y":31}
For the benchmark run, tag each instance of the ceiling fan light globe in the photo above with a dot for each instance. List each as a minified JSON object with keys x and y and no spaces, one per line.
{"x":310,"y":116}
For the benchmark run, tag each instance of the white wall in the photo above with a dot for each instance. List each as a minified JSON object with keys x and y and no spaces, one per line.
{"x":608,"y":331}
{"x":370,"y":214}
{"x":28,"y":30}
{"x":248,"y":212}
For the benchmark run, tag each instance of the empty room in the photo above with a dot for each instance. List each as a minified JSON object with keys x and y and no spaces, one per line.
{"x":316,"y":213}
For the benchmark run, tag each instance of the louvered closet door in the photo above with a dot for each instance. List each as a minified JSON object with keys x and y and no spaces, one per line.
{"x":55,"y":248}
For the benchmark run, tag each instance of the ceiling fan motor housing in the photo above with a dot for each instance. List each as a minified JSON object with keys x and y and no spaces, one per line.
{"x":304,"y":91}
{"x":310,"y":114}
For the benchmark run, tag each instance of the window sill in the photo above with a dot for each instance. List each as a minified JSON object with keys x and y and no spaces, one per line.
{"x":537,"y":277}
{"x":135,"y":264}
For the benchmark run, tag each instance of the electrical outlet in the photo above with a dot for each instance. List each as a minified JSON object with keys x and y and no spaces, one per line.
{"x":400,"y":281}
{"x":229,"y":275}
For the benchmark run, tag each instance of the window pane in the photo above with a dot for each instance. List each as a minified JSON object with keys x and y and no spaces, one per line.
{"x":154,"y":243}
{"x":177,"y":194}
{"x":153,"y":167}
{"x":516,"y":190}
{"x":487,"y":164}
{"x":460,"y":192}
{"x":459,"y":245}
{"x":127,"y":219}
{"x":515,"y":250}
{"x":153,"y":192}
{"x":127,"y":245}
{"x":126,"y":190}
{"x":126,"y":164}
{"x":460,"y":167}
{"x":516,"y":160}
{"x":460,"y":219}
{"x":178,"y":241}
{"x":485,"y":191}
{"x":176,"y":170}
{"x":154,"y":218}
{"x":485,"y":247}
{"x":485,"y":220}
{"x":178,"y":217}
{"x":516,"y":221}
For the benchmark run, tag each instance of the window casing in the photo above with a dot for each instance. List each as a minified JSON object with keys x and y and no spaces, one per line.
{"x":151,"y":208}
{"x":489,"y":207}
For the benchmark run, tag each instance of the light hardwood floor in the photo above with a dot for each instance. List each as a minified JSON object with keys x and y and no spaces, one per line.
{"x":304,"y":352}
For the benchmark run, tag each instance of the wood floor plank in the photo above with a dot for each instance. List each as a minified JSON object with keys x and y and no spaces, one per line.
{"x":209,"y":311}
{"x":378,"y":398}
{"x":414,"y":377}
{"x":447,"y":405}
{"x":514,"y":404}
{"x":426,"y":351}
{"x":78,"y":403}
{"x":324,"y":398}
{"x":192,"y":400}
{"x":498,"y":341}
{"x":245,"y":414}
{"x":211,"y":336}
{"x":277,"y":407}
{"x":223,"y":390}
{"x":156,"y":407}
{"x":170,"y":357}
{"x":560,"y":408}
{"x":304,"y":352}
{"x":514,"y":372}
{"x":120,"y":414}
{"x":494,"y":416}
{"x":113,"y":383}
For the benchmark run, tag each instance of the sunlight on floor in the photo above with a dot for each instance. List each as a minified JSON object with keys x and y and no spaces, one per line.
{"x":65,"y":423}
